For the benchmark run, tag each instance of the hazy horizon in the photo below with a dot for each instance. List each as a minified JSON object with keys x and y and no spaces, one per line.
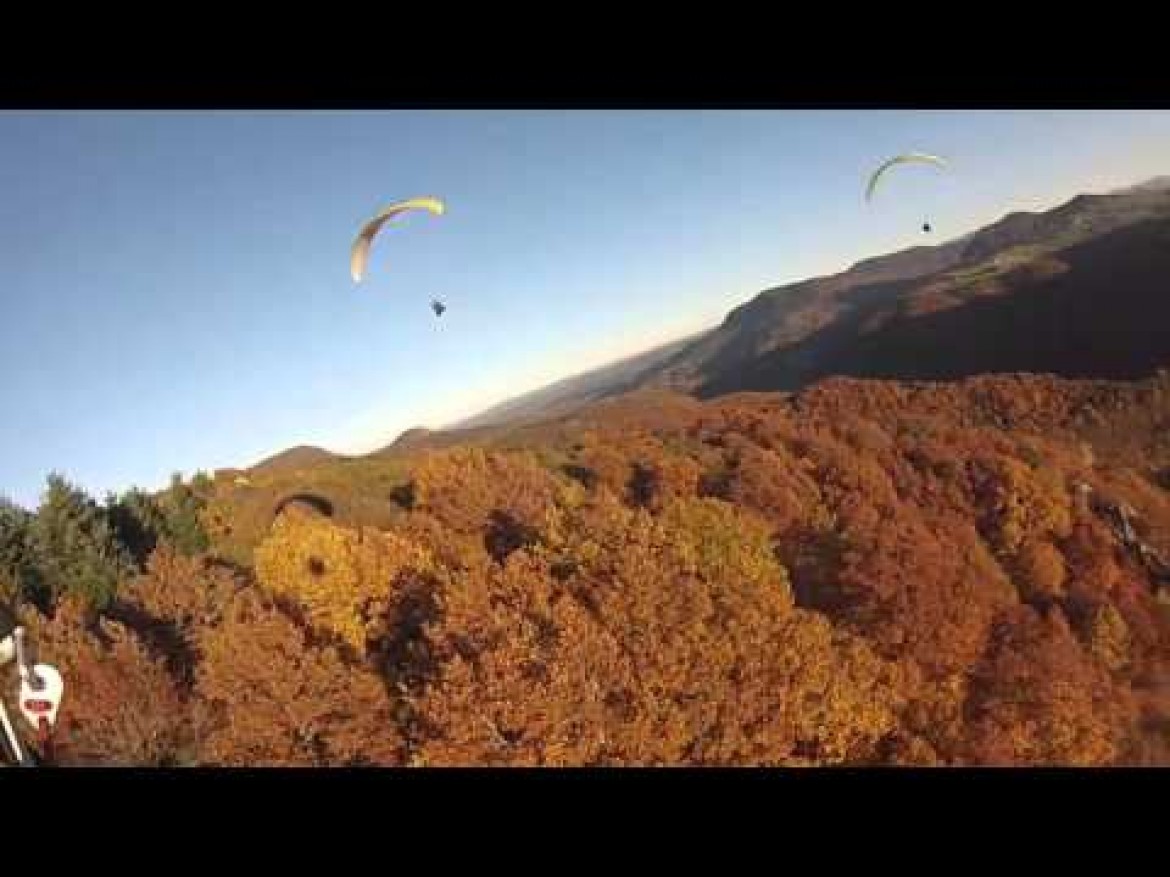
{"x":178,"y":294}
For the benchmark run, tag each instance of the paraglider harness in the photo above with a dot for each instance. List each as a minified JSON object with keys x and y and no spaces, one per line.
{"x":39,"y":697}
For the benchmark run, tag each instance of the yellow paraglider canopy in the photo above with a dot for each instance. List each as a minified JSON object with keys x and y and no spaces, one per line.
{"x":360,"y":253}
{"x":900,"y":159}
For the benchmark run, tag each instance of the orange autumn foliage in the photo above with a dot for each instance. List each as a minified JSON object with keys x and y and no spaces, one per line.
{"x":340,"y":577}
{"x":666,"y":640}
{"x":1040,"y":700}
{"x":275,"y":697}
{"x":122,"y":707}
{"x":861,"y":573}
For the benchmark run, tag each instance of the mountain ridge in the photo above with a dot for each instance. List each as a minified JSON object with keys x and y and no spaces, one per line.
{"x":783,"y":317}
{"x":853,"y":321}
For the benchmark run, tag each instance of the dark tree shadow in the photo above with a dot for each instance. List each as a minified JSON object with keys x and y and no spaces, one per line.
{"x":318,"y":503}
{"x":1162,"y":478}
{"x":583,"y":475}
{"x":163,"y":640}
{"x":405,"y":496}
{"x":505,"y":534}
{"x":643,"y":486}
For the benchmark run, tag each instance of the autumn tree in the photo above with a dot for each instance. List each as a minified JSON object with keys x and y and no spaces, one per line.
{"x":860,"y":573}
{"x":1039,"y":700}
{"x":1023,"y":503}
{"x":646,"y":639}
{"x":277,"y":696}
{"x":464,"y":488}
{"x":1039,"y":571}
{"x":928,"y":592}
{"x":342,"y":578}
{"x":122,"y":707}
{"x":927,"y":595}
{"x":173,"y":602}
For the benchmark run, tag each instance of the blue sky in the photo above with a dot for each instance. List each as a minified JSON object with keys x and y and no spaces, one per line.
{"x":175,"y":286}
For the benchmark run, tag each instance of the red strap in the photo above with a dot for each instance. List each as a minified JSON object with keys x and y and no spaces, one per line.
{"x":45,"y":738}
